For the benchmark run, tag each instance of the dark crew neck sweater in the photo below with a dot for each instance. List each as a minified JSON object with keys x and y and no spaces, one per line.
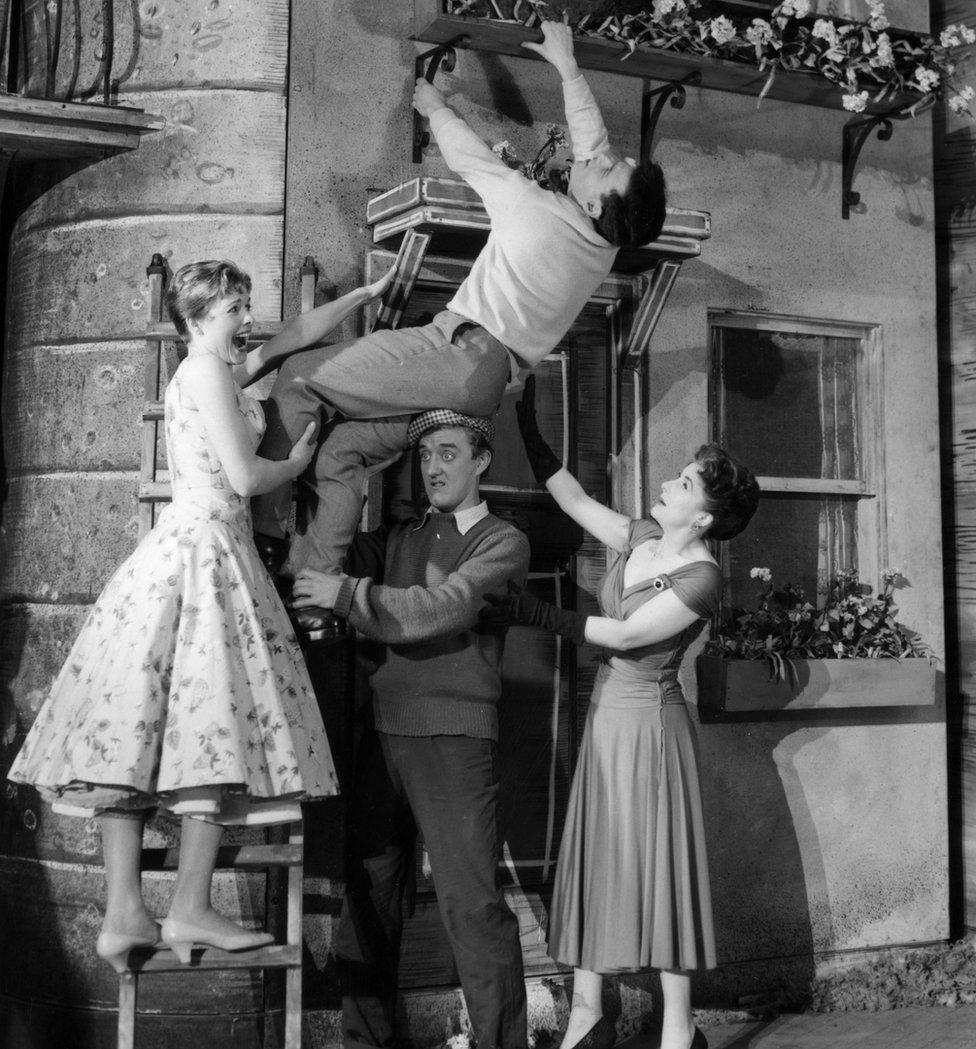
{"x":441,"y":674}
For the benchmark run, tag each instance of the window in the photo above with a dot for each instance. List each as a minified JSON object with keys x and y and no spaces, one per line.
{"x":799,"y":401}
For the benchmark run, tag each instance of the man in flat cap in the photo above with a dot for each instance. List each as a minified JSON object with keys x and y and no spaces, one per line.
{"x":427,"y":762}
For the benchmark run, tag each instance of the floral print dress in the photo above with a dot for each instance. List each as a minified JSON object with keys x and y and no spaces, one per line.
{"x":186,"y":687}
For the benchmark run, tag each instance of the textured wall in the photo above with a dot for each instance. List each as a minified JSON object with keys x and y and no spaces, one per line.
{"x":211,"y":183}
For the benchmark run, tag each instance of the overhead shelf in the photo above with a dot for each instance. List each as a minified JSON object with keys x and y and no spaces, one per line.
{"x":717,"y":74}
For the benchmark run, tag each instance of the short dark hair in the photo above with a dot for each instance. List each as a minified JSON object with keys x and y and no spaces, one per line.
{"x":731,"y":491}
{"x":196,"y":286}
{"x":636,"y":216}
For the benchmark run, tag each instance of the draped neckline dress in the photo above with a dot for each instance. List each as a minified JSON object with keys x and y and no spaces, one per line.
{"x":631,"y":887}
{"x":186,"y":687}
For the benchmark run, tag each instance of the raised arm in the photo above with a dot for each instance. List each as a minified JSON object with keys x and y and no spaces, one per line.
{"x":213,"y":393}
{"x":307,"y":329}
{"x":609,"y":527}
{"x":465,"y":153}
{"x":584,"y":123}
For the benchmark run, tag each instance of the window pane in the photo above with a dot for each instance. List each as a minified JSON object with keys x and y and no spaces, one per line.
{"x":802,"y":539}
{"x":790,"y":402}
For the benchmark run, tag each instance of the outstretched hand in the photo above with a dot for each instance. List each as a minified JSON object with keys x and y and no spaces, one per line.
{"x":557,"y":48}
{"x":518,"y":607}
{"x":378,"y":287}
{"x":303,"y":449}
{"x":542,"y":458}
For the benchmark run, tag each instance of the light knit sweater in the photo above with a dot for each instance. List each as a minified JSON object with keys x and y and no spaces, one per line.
{"x":441,"y":670}
{"x":544,"y":258}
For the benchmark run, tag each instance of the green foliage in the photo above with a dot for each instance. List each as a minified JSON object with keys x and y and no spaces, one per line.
{"x":864,"y":59}
{"x":851,"y":624}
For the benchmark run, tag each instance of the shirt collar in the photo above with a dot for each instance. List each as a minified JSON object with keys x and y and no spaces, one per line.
{"x":464,"y":520}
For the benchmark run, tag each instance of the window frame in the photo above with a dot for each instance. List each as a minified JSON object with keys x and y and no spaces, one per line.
{"x":869,"y":488}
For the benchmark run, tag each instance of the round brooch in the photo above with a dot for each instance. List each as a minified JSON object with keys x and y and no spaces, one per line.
{"x":661,"y":583}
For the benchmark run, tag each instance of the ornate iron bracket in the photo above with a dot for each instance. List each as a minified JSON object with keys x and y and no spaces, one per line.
{"x":673,"y":92}
{"x":443,"y":56}
{"x":856,"y":133}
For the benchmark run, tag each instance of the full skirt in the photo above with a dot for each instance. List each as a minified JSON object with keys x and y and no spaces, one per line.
{"x":185,"y":688}
{"x":631,"y":887}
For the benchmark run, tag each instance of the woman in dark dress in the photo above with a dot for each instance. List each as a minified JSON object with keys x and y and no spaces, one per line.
{"x":631,"y":889}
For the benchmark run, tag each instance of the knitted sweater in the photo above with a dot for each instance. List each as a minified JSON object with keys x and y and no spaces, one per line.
{"x":441,"y":671}
{"x":544,"y":258}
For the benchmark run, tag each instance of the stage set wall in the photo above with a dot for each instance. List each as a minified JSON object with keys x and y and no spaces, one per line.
{"x":827,"y":834}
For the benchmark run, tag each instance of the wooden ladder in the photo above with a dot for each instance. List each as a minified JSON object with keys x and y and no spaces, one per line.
{"x":162,"y":358}
{"x":283,"y":859}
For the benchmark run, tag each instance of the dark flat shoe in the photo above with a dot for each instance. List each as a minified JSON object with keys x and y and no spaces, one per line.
{"x":602,"y":1035}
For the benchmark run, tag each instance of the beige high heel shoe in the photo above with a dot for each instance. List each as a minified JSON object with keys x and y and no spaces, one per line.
{"x":181,"y":937}
{"x":114,"y":947}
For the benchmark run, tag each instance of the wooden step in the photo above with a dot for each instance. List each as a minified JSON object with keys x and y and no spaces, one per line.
{"x":162,"y":959}
{"x":236,"y":856}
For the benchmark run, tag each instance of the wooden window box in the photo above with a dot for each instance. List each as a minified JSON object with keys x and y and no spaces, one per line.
{"x":741,"y":686}
{"x":717,"y":74}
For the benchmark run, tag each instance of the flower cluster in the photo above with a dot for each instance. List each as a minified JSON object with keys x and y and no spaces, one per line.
{"x":548,"y":175}
{"x":866,"y":61}
{"x":851,"y":624}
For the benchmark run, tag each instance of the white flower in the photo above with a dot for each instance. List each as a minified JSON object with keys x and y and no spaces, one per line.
{"x":796,"y":8}
{"x":759,"y":32}
{"x":885,"y":56}
{"x":761,"y":573}
{"x":950,"y":37}
{"x":825,"y":30}
{"x":856,"y":102}
{"x":722,"y":30}
{"x":665,"y":7}
{"x":877,"y":19}
{"x":958,"y":104}
{"x":927,"y":79}
{"x":968,"y":35}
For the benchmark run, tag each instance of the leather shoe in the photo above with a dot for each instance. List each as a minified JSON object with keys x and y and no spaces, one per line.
{"x":272,"y":550}
{"x":602,"y":1035}
{"x":318,"y":624}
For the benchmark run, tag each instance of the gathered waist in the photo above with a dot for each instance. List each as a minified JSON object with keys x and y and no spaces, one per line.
{"x":210,"y":504}
{"x":627,"y":685}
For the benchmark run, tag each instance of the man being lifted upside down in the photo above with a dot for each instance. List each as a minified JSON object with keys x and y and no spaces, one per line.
{"x":546,"y":255}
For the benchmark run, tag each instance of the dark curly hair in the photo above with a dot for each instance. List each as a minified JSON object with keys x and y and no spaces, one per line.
{"x":196,"y":286}
{"x":636,"y":216}
{"x":731,"y":491}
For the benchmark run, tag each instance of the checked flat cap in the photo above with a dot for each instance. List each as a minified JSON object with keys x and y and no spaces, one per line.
{"x":436,"y":418}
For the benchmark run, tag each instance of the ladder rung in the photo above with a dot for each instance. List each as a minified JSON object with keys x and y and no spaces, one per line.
{"x":238,"y":856}
{"x":155,"y":492}
{"x":153,"y":411}
{"x":162,"y":959}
